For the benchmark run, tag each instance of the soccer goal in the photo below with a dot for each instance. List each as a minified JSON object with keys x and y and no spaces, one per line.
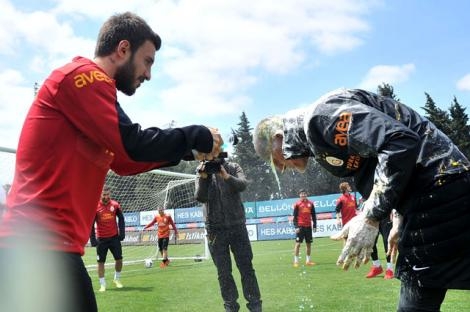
{"x":140,"y":196}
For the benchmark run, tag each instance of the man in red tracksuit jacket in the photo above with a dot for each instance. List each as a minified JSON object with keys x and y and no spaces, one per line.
{"x":76,"y":131}
{"x":304,"y":217}
{"x":107,"y":235}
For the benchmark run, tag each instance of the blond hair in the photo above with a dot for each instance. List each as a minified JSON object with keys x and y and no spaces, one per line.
{"x":264,"y":134}
{"x":343,"y":187}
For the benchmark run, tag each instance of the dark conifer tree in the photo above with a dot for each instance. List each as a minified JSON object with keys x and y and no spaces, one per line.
{"x":261,"y":180}
{"x":459,"y":128}
{"x":439,"y":117}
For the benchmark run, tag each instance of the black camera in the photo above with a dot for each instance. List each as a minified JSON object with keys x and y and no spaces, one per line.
{"x":213,"y":166}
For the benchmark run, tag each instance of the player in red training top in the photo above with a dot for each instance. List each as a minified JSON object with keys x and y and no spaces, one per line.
{"x":163,"y":222}
{"x":74,"y":133}
{"x":304,"y":216}
{"x":346,"y":206}
{"x":108,"y":236}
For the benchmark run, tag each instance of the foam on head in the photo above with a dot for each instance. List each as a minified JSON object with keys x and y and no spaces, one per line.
{"x":263,"y":141}
{"x":264,"y":134}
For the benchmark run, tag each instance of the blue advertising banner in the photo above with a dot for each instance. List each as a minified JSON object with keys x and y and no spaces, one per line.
{"x":250,"y":209}
{"x":325,"y":203}
{"x":273,"y":231}
{"x":189,"y":215}
{"x":273,"y":208}
{"x":283,"y":207}
{"x":131,"y":218}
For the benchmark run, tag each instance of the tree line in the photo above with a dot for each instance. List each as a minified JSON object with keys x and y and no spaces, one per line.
{"x":316,"y":180}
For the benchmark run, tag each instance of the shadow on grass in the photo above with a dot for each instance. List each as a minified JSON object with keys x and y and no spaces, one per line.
{"x":130,"y":288}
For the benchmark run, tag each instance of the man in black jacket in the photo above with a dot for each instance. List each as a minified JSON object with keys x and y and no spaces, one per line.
{"x":398,"y":159}
{"x":226,"y":230}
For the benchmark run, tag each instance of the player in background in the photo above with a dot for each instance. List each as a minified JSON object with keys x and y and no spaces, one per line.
{"x":163,"y":221}
{"x":399,"y":160}
{"x":346,"y":206}
{"x":74,"y":133}
{"x":304,"y":217}
{"x":108,"y":236}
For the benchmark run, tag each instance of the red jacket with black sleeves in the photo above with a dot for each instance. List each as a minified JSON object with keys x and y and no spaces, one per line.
{"x":74,"y":132}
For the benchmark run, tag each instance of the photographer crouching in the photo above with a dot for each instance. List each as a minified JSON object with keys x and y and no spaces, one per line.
{"x":218,"y":186}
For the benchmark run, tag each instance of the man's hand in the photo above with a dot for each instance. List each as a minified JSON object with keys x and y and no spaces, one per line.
{"x":217,"y":143}
{"x":394,"y":236}
{"x":360,"y":233}
{"x":200,"y":170}
{"x":223,"y":173}
{"x":93,"y":242}
{"x":122,"y":236}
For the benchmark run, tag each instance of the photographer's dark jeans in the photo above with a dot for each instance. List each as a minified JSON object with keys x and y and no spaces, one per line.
{"x":234,"y":239}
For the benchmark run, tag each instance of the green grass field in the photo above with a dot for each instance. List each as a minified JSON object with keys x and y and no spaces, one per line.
{"x":188,"y":286}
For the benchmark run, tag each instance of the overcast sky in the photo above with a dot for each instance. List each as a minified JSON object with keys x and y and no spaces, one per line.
{"x":263,"y":57}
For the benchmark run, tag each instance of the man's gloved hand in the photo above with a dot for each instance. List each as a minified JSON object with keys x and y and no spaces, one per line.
{"x":360,"y":233}
{"x":93,"y":242}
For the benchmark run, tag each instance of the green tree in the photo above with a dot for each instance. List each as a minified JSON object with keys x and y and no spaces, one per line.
{"x":387,"y":90}
{"x":436,"y":115}
{"x":316,"y":181}
{"x":459,"y":128}
{"x":261,"y":180}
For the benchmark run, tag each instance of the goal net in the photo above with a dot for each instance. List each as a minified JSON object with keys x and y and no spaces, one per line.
{"x":140,"y":196}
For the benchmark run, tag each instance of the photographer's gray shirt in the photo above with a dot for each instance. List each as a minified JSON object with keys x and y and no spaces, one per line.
{"x":222,"y":203}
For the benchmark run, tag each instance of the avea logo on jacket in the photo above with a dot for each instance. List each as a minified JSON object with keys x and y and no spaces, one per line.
{"x":341,"y":137}
{"x":85,"y":79}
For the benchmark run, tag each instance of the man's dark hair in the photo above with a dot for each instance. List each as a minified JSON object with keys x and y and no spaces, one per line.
{"x":126,"y":26}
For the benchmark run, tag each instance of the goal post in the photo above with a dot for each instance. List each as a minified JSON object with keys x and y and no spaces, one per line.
{"x":140,"y":196}
{"x":7,"y":165}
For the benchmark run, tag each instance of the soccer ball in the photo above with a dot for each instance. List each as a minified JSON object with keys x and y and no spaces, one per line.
{"x":148,"y":263}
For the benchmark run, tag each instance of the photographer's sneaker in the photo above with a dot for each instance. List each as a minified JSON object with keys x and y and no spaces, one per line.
{"x":296,"y":264}
{"x":102,"y":288}
{"x":118,"y":283}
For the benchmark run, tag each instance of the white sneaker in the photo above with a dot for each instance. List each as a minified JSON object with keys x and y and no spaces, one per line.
{"x":118,"y":283}
{"x":102,"y":288}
